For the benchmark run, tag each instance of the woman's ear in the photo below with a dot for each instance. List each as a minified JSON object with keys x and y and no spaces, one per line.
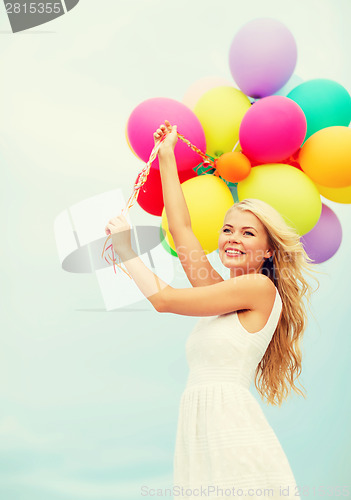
{"x":269,"y":254}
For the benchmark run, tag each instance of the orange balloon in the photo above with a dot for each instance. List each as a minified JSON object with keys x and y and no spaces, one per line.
{"x":326,"y":157}
{"x":233,"y":166}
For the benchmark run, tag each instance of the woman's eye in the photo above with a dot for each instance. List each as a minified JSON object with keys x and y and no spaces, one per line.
{"x":248,"y":232}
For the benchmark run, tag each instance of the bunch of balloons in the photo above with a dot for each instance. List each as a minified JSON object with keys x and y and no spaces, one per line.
{"x":275,"y":137}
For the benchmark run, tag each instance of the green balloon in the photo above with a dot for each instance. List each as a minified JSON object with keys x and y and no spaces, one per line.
{"x":165,"y":244}
{"x":325,"y":103}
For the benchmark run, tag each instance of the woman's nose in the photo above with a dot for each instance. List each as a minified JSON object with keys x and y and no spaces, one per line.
{"x":234,"y":237}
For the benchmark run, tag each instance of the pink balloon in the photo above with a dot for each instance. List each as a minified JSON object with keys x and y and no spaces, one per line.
{"x":272,"y":129}
{"x":150,"y":114}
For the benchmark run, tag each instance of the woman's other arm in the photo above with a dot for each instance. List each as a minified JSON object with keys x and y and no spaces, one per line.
{"x":249,"y":291}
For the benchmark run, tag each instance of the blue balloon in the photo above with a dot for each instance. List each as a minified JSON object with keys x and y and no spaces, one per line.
{"x":325,"y":103}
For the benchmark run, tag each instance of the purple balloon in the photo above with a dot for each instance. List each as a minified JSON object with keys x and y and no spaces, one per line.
{"x":323,"y":241}
{"x":262,"y":57}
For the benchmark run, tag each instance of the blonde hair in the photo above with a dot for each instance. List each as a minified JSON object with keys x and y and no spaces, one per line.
{"x":281,"y":363}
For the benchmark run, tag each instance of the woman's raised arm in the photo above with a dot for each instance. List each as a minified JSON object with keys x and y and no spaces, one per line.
{"x":190,"y":253}
{"x":175,"y":205}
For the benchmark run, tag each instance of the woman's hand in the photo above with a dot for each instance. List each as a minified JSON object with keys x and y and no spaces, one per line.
{"x":119,"y":229}
{"x":170,"y":132}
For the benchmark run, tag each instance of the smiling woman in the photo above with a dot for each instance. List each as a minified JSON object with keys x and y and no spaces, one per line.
{"x":250,"y":329}
{"x":243,"y":240}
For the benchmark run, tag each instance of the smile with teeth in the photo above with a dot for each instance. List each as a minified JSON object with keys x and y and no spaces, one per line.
{"x":234,"y":252}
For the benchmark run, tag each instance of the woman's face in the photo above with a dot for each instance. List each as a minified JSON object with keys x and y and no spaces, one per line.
{"x":243,"y":231}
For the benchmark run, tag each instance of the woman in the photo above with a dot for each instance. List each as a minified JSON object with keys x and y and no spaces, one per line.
{"x":250,"y":329}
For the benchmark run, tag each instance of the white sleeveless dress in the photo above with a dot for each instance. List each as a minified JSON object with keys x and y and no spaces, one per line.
{"x":224,"y":440}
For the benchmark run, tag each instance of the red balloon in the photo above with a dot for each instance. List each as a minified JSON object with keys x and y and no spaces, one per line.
{"x":292,"y":160}
{"x":150,"y":196}
{"x":293,"y":164}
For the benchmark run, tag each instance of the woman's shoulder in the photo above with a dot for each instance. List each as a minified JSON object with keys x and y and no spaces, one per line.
{"x":256,"y":319}
{"x":270,"y":294}
{"x":260,"y":282}
{"x":267,"y":292}
{"x":271,"y":288}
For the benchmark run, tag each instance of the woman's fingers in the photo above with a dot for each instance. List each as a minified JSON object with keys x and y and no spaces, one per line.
{"x":168,"y":125}
{"x":163,"y":129}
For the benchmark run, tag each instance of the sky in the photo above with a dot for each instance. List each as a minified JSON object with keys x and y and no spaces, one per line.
{"x":89,"y":397}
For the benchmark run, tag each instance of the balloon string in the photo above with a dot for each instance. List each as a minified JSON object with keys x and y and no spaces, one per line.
{"x":234,"y":148}
{"x":141,"y":179}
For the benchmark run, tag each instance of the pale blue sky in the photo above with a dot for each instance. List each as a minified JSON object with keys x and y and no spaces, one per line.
{"x":89,"y":398}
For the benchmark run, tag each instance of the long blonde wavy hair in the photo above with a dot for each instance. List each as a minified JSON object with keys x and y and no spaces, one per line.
{"x":281,"y":363}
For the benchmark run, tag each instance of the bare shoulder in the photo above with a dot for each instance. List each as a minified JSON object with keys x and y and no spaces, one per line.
{"x":255,"y":318}
{"x":262,"y":291}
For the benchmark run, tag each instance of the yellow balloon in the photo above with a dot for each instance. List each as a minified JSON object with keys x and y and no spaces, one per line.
{"x":340,"y":195}
{"x":220,"y":111}
{"x":287,"y":189}
{"x":326,"y":157}
{"x":208,"y":199}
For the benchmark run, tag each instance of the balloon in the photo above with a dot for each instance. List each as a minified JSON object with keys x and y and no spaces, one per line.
{"x":233,"y":167}
{"x":325,"y":103}
{"x":262,"y":57}
{"x":150,"y":197}
{"x":293,"y":163}
{"x":288,"y":190}
{"x":323,"y":241}
{"x":208,"y":199}
{"x":200,"y":87}
{"x":294,"y":160}
{"x":326,"y":157}
{"x":272,"y":130}
{"x":340,"y":195}
{"x":220,"y":111}
{"x":294,"y":81}
{"x":289,"y":161}
{"x":150,"y":114}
